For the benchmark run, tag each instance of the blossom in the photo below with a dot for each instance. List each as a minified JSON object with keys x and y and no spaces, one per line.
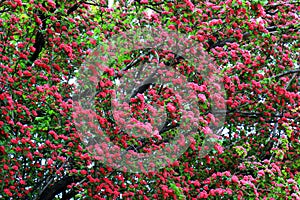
{"x":172,"y":27}
{"x":171,"y":108}
{"x":261,"y":173}
{"x":7,"y":191}
{"x":234,"y":179}
{"x":203,"y":195}
{"x":51,"y":3}
{"x":202,"y":97}
{"x":83,"y":172}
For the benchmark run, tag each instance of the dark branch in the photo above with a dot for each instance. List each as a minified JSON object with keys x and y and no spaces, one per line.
{"x":145,"y":85}
{"x":39,"y":40}
{"x":244,"y":113}
{"x":69,"y":195}
{"x":287,"y":73}
{"x":73,"y":8}
{"x":273,"y":6}
{"x":51,"y":191}
{"x":221,"y":43}
{"x":93,"y":4}
{"x":38,"y":45}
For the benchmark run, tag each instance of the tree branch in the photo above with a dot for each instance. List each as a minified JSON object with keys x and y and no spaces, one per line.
{"x":247,"y":114}
{"x":39,"y":40}
{"x":51,"y":191}
{"x":73,"y":8}
{"x":295,"y":71}
{"x":221,"y":43}
{"x":273,"y":6}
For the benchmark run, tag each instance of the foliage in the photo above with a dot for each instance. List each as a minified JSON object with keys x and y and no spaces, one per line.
{"x":255,"y":45}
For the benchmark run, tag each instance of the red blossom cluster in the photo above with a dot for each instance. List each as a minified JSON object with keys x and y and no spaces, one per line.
{"x":255,"y":49}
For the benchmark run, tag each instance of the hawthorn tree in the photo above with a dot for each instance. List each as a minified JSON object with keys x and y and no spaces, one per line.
{"x":255,"y":47}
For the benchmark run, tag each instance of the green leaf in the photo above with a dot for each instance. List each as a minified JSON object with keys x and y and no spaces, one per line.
{"x":51,"y":112}
{"x":263,"y":2}
{"x":178,"y":191}
{"x":39,"y":118}
{"x":6,"y":128}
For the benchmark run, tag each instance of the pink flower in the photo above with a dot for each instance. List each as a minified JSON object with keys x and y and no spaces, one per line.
{"x":21,"y":45}
{"x":157,"y":135}
{"x":190,"y":4}
{"x":202,"y":97}
{"x":220,"y":191}
{"x":203,"y":195}
{"x":83,"y":172}
{"x":234,"y":179}
{"x":50,"y":162}
{"x":196,"y":183}
{"x":7,"y":191}
{"x":171,"y":108}
{"x":290,"y":181}
{"x":172,"y":27}
{"x":14,"y":141}
{"x":38,"y":20}
{"x":89,"y":33}
{"x":52,"y":3}
{"x":207,"y":130}
{"x":229,"y":191}
{"x":19,"y":2}
{"x":261,"y":173}
{"x":212,"y":192}
{"x":227,"y":173}
{"x":219,"y":148}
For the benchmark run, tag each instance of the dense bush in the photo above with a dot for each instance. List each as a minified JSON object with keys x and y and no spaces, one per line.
{"x":255,"y":46}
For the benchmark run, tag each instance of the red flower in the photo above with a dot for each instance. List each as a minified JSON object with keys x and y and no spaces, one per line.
{"x":5,"y":167}
{"x":203,"y":195}
{"x":234,"y":179}
{"x":144,"y":1}
{"x":83,"y":172}
{"x":172,"y":27}
{"x":7,"y":191}
{"x":171,"y":108}
{"x":219,"y":148}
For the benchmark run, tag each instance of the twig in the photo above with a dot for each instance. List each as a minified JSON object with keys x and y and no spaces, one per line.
{"x":272,"y":6}
{"x":286,"y":73}
{"x":154,"y":9}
